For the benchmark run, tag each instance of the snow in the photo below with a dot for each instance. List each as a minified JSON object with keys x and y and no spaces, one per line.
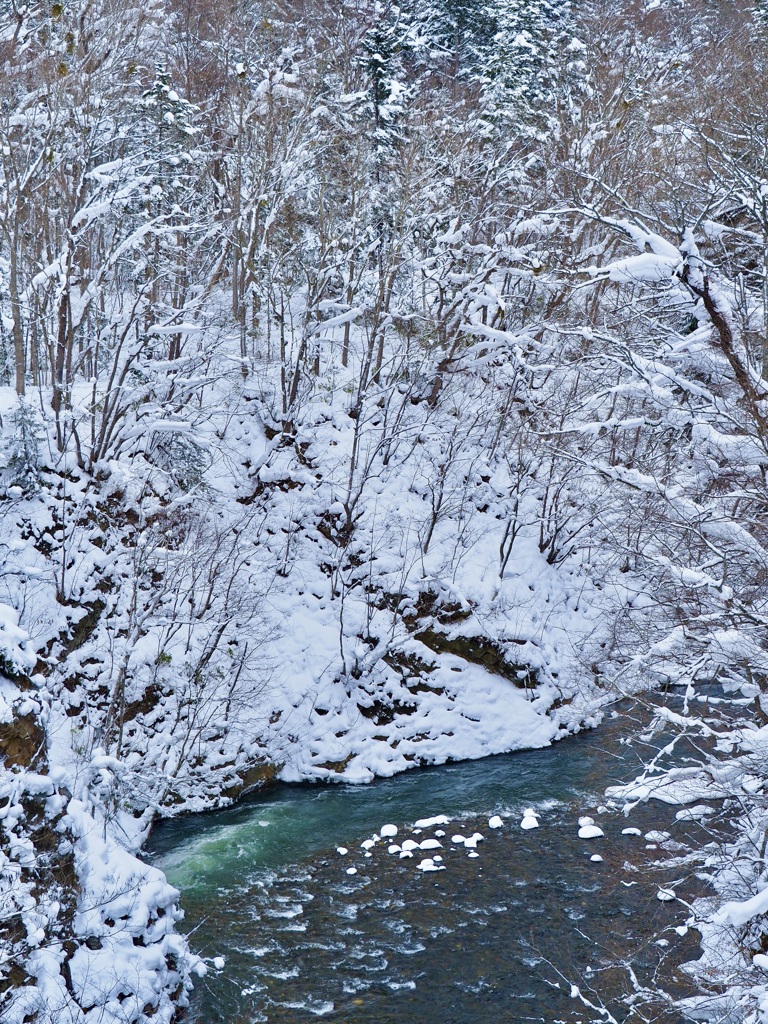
{"x":428,"y":864}
{"x":590,"y":832}
{"x":657,"y":836}
{"x":124,"y":952}
{"x":739,"y":912}
{"x":15,"y":644}
{"x":588,"y":829}
{"x":314,"y":601}
{"x":648,"y":268}
{"x":679,"y":786}
{"x":696,"y":813}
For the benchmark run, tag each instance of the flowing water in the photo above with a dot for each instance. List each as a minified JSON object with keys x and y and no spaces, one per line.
{"x":499,"y":933}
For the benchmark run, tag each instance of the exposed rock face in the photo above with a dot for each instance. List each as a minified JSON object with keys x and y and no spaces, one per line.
{"x":22,"y":740}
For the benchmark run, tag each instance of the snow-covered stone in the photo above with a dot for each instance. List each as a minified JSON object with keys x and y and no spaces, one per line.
{"x":428,"y":864}
{"x":530,"y":819}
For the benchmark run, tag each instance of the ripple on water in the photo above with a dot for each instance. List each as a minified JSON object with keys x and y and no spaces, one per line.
{"x":354,"y":986}
{"x":326,"y":947}
{"x":318,"y":1007}
{"x":410,"y":950}
{"x":285,"y":975}
{"x":284,"y":912}
{"x":348,"y":912}
{"x":260,"y":951}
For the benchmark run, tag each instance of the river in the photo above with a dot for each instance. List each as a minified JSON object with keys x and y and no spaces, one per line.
{"x":498,"y":933}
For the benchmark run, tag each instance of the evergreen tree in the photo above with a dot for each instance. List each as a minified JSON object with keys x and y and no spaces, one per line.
{"x":23,"y":469}
{"x":169,"y":199}
{"x":463,"y":29}
{"x":513,"y":48}
{"x":386,"y":89}
{"x":520,"y":65}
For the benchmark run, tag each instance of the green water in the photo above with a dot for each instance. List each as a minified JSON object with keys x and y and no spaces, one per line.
{"x":496,"y":937}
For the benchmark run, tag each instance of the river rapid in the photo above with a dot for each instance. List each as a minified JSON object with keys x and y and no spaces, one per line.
{"x":500,"y":932}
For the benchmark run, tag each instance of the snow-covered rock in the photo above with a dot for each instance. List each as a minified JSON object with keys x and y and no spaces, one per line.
{"x":588,"y":829}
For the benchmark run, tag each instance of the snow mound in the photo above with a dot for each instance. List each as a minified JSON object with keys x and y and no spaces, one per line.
{"x":589,"y":830}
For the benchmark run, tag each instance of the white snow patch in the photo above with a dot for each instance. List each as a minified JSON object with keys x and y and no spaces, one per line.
{"x":428,"y":864}
{"x":530,"y":819}
{"x":430,"y":844}
{"x":440,"y":819}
